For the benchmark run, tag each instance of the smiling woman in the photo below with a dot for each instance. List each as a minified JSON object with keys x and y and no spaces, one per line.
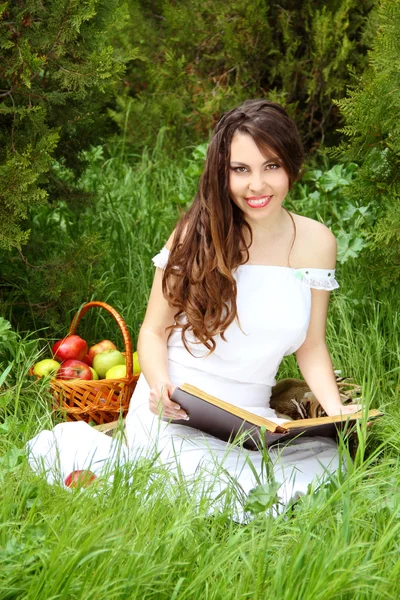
{"x":219,"y":232}
{"x":257,"y":184}
{"x":240,"y":284}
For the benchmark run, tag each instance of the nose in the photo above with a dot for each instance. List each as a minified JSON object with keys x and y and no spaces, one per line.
{"x":257,"y":182}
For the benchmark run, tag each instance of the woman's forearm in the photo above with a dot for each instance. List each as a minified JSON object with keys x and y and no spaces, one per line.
{"x":316,"y":367}
{"x":153,"y":357}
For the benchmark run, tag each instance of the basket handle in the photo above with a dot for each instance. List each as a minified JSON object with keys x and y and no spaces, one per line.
{"x":121,"y":323}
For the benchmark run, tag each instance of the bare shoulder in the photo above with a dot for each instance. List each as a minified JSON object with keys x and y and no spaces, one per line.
{"x":171,"y":238}
{"x":315,"y":244}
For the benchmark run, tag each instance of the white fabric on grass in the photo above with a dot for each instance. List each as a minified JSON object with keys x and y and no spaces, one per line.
{"x":274,"y":305}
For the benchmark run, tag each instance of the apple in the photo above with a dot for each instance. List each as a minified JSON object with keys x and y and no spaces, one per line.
{"x":74,"y":369}
{"x":94,"y":374}
{"x":80,"y":478}
{"x":103,"y":361}
{"x":136,"y":366}
{"x":46,"y":367}
{"x":86,"y":359}
{"x":117,"y":372}
{"x":71,"y":347}
{"x":100,"y":347}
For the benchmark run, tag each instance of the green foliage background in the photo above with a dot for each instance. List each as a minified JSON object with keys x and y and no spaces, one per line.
{"x":57,"y":71}
{"x":199,"y":58}
{"x":105,"y":113}
{"x":372,"y":138}
{"x":105,"y":110}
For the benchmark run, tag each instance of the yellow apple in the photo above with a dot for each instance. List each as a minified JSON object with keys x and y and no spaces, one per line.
{"x":46,"y":367}
{"x":95,"y":375}
{"x":117,"y":372}
{"x":136,"y":366}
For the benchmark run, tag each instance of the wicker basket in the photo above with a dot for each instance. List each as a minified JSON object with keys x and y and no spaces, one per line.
{"x":101,"y":401}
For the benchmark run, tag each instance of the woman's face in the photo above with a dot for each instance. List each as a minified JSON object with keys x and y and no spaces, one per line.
{"x":258,"y":184}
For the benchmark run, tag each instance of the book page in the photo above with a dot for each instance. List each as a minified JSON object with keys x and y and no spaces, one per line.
{"x":304,"y":423}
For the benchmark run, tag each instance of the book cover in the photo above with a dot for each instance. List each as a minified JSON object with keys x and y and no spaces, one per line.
{"x":227,"y":421}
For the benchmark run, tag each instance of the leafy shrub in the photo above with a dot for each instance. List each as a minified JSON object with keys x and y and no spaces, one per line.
{"x":199,"y":58}
{"x":321,"y":195}
{"x":103,"y":249}
{"x":56,"y":78}
{"x":371,"y":113}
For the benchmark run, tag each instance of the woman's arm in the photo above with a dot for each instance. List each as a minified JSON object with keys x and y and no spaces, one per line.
{"x":319,"y":251}
{"x":314,"y":360}
{"x":153,"y":336}
{"x":152,"y":350}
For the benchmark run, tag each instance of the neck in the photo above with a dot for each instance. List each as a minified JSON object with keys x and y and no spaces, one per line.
{"x":277,"y":225}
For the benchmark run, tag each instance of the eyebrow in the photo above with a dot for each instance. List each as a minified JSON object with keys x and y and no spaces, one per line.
{"x":241,"y":164}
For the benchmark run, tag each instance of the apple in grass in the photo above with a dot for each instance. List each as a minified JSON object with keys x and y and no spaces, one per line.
{"x":81,"y":478}
{"x":46,"y":367}
{"x":71,"y":347}
{"x":102,"y":346}
{"x":74,"y":369}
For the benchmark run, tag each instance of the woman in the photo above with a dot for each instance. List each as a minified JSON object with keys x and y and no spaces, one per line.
{"x":240,"y":284}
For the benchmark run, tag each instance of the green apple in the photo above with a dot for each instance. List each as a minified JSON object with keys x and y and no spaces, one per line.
{"x":136,"y":366}
{"x":46,"y":367}
{"x":103,"y":361}
{"x":117,"y":372}
{"x":94,"y":374}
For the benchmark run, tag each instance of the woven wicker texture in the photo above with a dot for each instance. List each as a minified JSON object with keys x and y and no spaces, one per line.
{"x":100,"y":401}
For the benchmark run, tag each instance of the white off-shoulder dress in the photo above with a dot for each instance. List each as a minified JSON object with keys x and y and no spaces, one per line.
{"x":274,"y":305}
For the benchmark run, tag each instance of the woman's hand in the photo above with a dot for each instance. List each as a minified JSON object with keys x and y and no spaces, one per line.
{"x":160,"y":402}
{"x":345,"y":409}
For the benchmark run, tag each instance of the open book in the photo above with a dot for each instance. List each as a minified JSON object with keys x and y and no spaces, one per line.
{"x":227,"y":421}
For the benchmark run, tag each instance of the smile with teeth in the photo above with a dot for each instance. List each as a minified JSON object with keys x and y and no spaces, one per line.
{"x":258,"y":201}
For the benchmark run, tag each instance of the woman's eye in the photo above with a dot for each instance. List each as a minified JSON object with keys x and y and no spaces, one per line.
{"x":270,"y":167}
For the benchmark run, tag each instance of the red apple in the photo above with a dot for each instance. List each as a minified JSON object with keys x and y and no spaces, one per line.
{"x":80,"y":478}
{"x":102,"y":346}
{"x":70,"y":347}
{"x":86,"y":359}
{"x":74,"y":369}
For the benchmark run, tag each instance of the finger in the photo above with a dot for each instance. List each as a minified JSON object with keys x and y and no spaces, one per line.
{"x":156,"y":404}
{"x":352,"y":408}
{"x":175,"y":414}
{"x":162,"y":396}
{"x":157,"y":407}
{"x":171,"y":406}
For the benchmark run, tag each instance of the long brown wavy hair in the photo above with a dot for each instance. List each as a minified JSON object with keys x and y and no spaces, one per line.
{"x":209,"y":241}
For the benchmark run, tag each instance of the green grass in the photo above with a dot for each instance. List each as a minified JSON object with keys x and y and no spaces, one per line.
{"x":135,"y":538}
{"x":132,"y":539}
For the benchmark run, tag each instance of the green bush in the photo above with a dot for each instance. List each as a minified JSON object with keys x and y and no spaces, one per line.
{"x":56,"y":78}
{"x":199,"y":58}
{"x":372,"y":130}
{"x":103,"y":250}
{"x":321,"y":195}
